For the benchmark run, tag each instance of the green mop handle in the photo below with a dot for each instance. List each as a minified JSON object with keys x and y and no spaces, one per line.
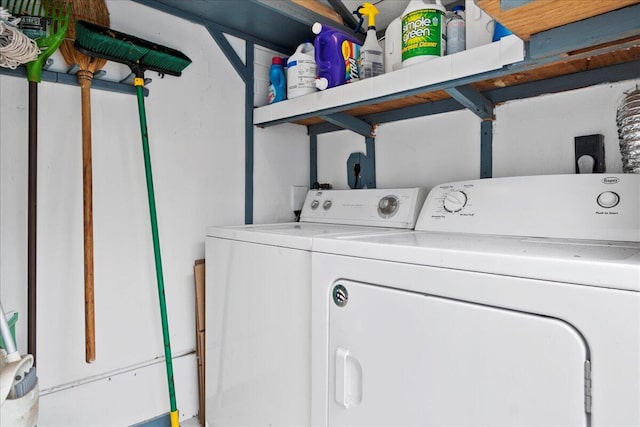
{"x":139,"y":84}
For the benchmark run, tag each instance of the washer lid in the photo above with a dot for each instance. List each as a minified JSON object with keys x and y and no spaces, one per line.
{"x":610,"y":264}
{"x":297,"y":235}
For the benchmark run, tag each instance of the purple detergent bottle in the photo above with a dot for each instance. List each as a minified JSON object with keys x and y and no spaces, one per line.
{"x":336,"y":54}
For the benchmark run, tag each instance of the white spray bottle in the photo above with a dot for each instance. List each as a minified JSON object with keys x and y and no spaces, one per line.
{"x":371,"y":58}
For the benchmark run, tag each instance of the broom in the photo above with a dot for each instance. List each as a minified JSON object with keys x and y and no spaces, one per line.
{"x":94,"y":11}
{"x":140,"y":55}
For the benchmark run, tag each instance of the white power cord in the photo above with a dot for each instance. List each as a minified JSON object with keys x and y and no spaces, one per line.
{"x":15,"y":47}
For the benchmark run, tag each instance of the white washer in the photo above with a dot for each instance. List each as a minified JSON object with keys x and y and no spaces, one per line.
{"x":516,"y":302}
{"x":258,"y":307}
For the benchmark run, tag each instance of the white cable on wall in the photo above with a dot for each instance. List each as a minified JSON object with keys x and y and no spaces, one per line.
{"x":15,"y":47}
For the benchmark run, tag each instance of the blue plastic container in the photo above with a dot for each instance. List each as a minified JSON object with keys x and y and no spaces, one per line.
{"x":278,"y":81}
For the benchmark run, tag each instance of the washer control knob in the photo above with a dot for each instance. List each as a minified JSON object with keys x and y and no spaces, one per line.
{"x":455,"y":201}
{"x":608,"y":199}
{"x":327,"y":205}
{"x":315,"y":204}
{"x":388,"y":206}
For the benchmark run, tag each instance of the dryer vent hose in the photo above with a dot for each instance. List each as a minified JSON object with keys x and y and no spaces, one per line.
{"x":628,"y":120}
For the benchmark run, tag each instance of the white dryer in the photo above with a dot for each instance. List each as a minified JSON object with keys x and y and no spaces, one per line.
{"x":515,"y":303}
{"x":258,"y":306}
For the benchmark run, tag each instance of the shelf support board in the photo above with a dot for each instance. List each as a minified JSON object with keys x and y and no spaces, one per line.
{"x":473,"y":100}
{"x":616,"y":25}
{"x":313,"y":159}
{"x":248,"y":134}
{"x":486,"y":149}
{"x":420,"y":110}
{"x":413,"y":111}
{"x":370,"y":178}
{"x":72,"y":80}
{"x":346,"y":121}
{"x":610,"y":74}
{"x":246,"y":73}
{"x":229,"y":52}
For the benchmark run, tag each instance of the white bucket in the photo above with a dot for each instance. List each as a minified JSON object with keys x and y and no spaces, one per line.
{"x":301,"y":71}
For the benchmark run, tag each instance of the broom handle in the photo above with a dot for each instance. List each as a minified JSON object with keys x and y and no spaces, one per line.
{"x":139,"y":84}
{"x":84,"y":78}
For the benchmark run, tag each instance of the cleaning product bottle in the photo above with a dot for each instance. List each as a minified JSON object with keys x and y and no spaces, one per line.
{"x":277,"y":86}
{"x":456,"y":35}
{"x":423,"y":31}
{"x":337,"y":56}
{"x":301,"y":71}
{"x":393,"y":46}
{"x":371,"y":59}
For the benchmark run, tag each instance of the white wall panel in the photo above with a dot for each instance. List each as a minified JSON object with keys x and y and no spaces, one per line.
{"x":536,"y":136}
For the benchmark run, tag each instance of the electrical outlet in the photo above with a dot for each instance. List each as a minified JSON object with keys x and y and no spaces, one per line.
{"x":589,"y":154}
{"x":359,"y":171}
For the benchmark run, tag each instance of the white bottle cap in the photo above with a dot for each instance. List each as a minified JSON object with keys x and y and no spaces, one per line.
{"x":322,"y":83}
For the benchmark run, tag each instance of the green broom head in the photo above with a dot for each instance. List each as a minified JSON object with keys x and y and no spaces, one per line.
{"x":140,"y":55}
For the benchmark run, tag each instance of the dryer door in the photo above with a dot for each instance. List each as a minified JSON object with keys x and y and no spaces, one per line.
{"x":398,"y":358}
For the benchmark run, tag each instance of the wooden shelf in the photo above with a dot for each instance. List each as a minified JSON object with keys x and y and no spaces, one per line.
{"x":557,"y":59}
{"x":575,"y":70}
{"x":527,"y":17}
{"x":414,"y":85}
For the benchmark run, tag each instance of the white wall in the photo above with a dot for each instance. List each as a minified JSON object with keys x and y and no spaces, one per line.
{"x":536,"y":136}
{"x":530,"y":137}
{"x":196,"y":130}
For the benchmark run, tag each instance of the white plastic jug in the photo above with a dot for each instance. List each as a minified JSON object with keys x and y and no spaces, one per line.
{"x":479,"y":26}
{"x":423,"y":31}
{"x":393,"y":46}
{"x":301,"y":71}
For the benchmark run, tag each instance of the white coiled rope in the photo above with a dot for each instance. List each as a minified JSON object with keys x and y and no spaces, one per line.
{"x":15,"y":47}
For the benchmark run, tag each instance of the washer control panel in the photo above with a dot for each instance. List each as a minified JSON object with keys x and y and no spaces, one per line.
{"x":397,"y":208}
{"x":388,"y":206}
{"x":587,"y":206}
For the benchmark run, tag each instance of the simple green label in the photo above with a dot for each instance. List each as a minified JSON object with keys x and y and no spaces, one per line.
{"x":422,"y":33}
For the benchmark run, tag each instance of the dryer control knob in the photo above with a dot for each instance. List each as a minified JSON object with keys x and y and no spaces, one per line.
{"x":327,"y":205}
{"x":315,"y":204}
{"x":454,"y":201}
{"x":608,"y":199}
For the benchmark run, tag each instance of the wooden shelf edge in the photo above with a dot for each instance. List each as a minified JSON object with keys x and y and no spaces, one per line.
{"x":537,"y":16}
